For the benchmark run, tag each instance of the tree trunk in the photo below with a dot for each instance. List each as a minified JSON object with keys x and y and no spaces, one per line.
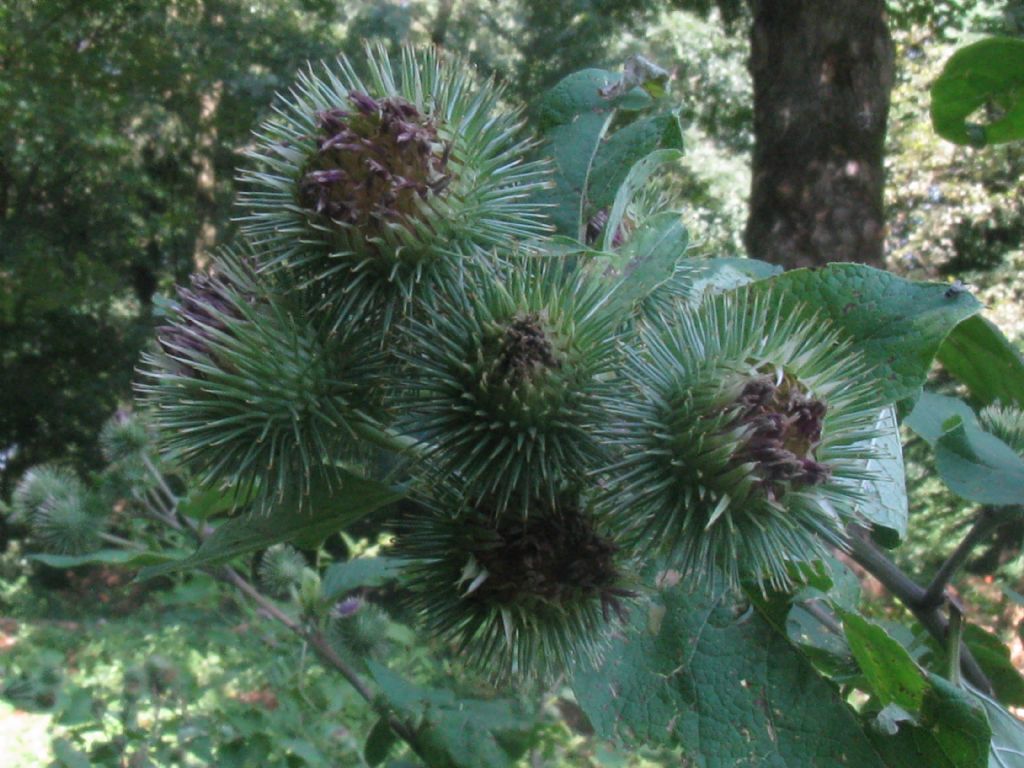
{"x":439,"y":29}
{"x":822,"y":73}
{"x":206,"y":178}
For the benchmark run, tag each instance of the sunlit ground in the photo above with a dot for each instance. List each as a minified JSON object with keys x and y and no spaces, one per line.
{"x":24,"y":737}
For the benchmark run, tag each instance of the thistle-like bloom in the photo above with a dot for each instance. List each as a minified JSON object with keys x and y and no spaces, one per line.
{"x":518,"y":595}
{"x":124,"y":437}
{"x":40,"y":485}
{"x":62,"y":515}
{"x":246,"y":392}
{"x":744,"y":441}
{"x":1005,"y":422}
{"x":509,"y":375}
{"x":69,"y":524}
{"x":280,"y":570}
{"x":378,"y":186}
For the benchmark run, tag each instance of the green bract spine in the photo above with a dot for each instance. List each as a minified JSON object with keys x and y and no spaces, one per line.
{"x":518,"y":595}
{"x":745,"y":440}
{"x":248,"y":393}
{"x":376,"y":186}
{"x":507,"y":381}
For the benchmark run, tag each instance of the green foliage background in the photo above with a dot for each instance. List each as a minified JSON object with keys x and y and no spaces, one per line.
{"x":104,"y":194}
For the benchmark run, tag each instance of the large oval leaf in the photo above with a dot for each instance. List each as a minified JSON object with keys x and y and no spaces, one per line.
{"x":328,"y":510}
{"x":703,"y":673}
{"x":988,"y":74}
{"x":897,"y":325}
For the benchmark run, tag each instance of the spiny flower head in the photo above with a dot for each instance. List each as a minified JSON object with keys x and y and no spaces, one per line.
{"x":744,"y":440}
{"x":206,"y":307}
{"x":280,"y":569}
{"x":518,"y":595}
{"x":61,"y":513}
{"x":69,"y":524}
{"x":1005,"y":422}
{"x":124,"y":437}
{"x":509,"y":372}
{"x":248,"y":392}
{"x":42,"y":484}
{"x":375,"y":187}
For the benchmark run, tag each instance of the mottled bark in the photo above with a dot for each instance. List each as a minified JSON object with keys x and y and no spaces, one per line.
{"x":439,"y":30}
{"x":822,"y":73}
{"x":206,"y":178}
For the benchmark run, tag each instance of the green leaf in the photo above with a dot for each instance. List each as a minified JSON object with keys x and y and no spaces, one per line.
{"x":987,"y":74}
{"x":574,"y":95}
{"x":456,"y":732}
{"x":994,"y":658}
{"x":974,"y":464}
{"x":932,"y":411}
{"x":978,"y":466}
{"x":303,"y":749}
{"x":75,"y":706}
{"x":885,"y":493}
{"x":66,"y":756}
{"x":331,"y":509}
{"x":705,"y":277}
{"x":825,"y":649}
{"x":893,"y":675}
{"x":379,"y":742}
{"x":647,"y":260}
{"x":1007,"y":746}
{"x":952,"y":731}
{"x":127,"y":557}
{"x":635,"y":180}
{"x":361,"y":572}
{"x":978,"y":354}
{"x":897,"y":325}
{"x":948,"y":727}
{"x":1013,"y":594}
{"x":819,"y":641}
{"x":573,"y":117}
{"x":203,"y":503}
{"x":621,"y":151}
{"x":710,"y":675}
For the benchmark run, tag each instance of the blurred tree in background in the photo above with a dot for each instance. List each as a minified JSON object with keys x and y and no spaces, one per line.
{"x":122,"y":120}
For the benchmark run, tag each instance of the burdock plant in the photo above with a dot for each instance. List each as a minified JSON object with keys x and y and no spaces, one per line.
{"x":248,"y":392}
{"x":517,"y":594}
{"x":60,"y":511}
{"x":744,"y":440}
{"x":506,"y":379}
{"x":373,"y":187}
{"x":605,"y":456}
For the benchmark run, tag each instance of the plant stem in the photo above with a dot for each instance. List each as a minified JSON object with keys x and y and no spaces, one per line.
{"x":319,"y":643}
{"x":823,"y":616}
{"x":869,"y":557}
{"x":385,"y":438}
{"x":311,"y":636}
{"x":985,"y":523}
{"x":118,"y":541}
{"x":956,"y":633}
{"x":160,"y":479}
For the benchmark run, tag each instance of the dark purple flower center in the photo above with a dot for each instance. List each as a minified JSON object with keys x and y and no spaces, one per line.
{"x":525,"y":349}
{"x":783,"y":430}
{"x":374,"y":164}
{"x":552,"y":556}
{"x":205,"y":308}
{"x":597,"y":223}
